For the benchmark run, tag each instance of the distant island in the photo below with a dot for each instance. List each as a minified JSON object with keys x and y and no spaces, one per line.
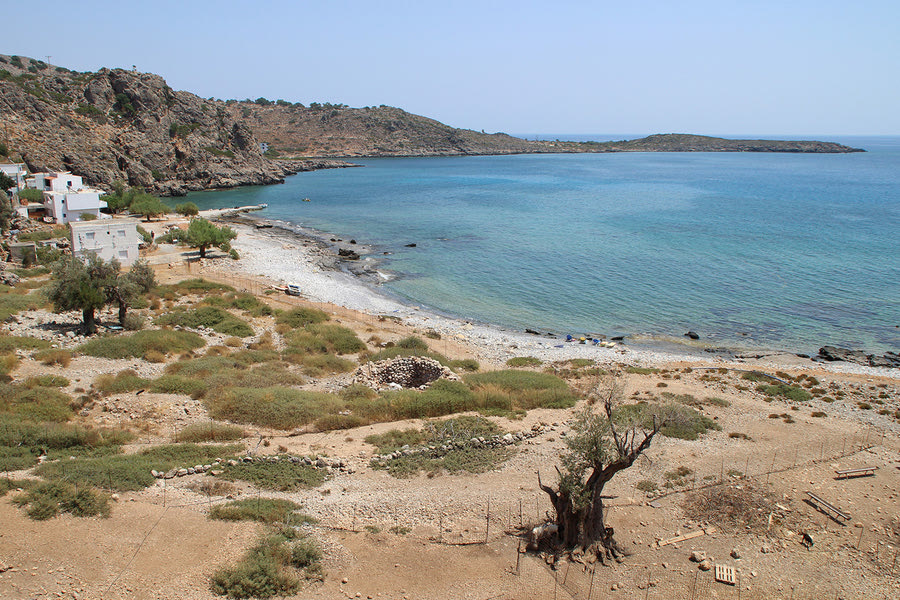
{"x":121,"y":125}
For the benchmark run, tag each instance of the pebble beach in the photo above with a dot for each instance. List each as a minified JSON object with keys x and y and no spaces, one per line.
{"x":285,"y":254}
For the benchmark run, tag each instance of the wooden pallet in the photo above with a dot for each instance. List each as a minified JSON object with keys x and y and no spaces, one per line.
{"x":725,"y":574}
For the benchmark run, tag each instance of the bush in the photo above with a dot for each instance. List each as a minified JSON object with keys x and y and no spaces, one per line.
{"x":301,"y":317}
{"x":209,"y":317}
{"x":413,"y":343}
{"x":678,"y":421}
{"x":465,"y":364}
{"x":789,"y":392}
{"x":265,"y":571}
{"x":49,"y":381}
{"x":124,"y":381}
{"x":279,"y":476}
{"x":395,"y":439}
{"x":54,"y":356}
{"x":264,"y":510}
{"x":137,"y":344}
{"x":187,"y":209}
{"x":523,"y":361}
{"x":467,"y":459}
{"x":21,"y":442}
{"x":131,"y":472}
{"x":133,"y":322}
{"x":11,"y":342}
{"x":276,"y":407}
{"x":209,"y":432}
{"x":47,"y":500}
{"x":35,"y":403}
{"x":339,"y":340}
{"x":177,"y":384}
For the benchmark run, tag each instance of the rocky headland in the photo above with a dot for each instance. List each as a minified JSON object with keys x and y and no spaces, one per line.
{"x":121,"y":125}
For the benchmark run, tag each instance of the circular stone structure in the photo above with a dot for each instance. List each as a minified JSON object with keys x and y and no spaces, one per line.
{"x":413,"y":372}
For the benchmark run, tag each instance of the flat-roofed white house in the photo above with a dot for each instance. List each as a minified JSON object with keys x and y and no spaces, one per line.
{"x":15,"y":171}
{"x":108,"y":239}
{"x":66,"y":198}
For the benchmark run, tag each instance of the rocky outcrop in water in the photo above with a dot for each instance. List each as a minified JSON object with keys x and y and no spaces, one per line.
{"x":833,"y":353}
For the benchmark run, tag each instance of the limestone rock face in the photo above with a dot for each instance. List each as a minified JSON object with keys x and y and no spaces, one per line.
{"x":118,"y":125}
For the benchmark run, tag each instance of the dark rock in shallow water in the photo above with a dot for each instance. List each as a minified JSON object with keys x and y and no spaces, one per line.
{"x":832,"y":353}
{"x":802,"y":355}
{"x":532,"y":332}
{"x":693,"y":335}
{"x":348,"y":254}
{"x":411,"y":245}
{"x":618,"y":338}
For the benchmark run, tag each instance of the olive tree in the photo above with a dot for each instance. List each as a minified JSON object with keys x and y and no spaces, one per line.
{"x":89,"y":285}
{"x":82,"y":285}
{"x":148,"y":206}
{"x":599,"y":446}
{"x":202,"y":234}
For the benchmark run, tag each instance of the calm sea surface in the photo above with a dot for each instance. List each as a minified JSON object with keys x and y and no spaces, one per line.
{"x":749,"y":250}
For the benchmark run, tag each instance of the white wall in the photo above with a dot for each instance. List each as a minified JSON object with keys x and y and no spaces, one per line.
{"x":109,"y":238}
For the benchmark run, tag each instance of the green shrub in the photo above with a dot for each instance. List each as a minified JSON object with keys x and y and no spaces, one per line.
{"x":209,"y":317}
{"x":301,"y":317}
{"x":523,"y":361}
{"x":200,"y":286}
{"x":276,"y":407}
{"x":317,"y":365}
{"x":47,"y":500}
{"x":131,"y":472}
{"x":209,"y":432}
{"x":338,"y":421}
{"x":266,"y":570}
{"x":338,"y":339}
{"x":178,"y":384}
{"x":133,"y":322}
{"x":264,"y":510}
{"x":187,"y":209}
{"x":789,"y":392}
{"x":467,"y":459}
{"x":413,"y":343}
{"x":280,"y":476}
{"x":678,"y":421}
{"x":124,"y":381}
{"x":641,"y":370}
{"x":54,"y":356}
{"x":395,"y":439}
{"x":137,"y":344}
{"x":38,"y":404}
{"x":22,"y":442}
{"x":465,"y":364}
{"x":49,"y":381}
{"x":246,"y":302}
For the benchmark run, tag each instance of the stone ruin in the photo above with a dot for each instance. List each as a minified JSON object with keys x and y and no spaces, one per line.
{"x":413,"y":372}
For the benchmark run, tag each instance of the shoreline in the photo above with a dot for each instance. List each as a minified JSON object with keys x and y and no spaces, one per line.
{"x":290,"y":253}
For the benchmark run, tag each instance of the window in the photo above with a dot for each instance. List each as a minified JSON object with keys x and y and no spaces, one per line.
{"x":123,"y":253}
{"x":89,"y":235}
{"x":121,"y":233}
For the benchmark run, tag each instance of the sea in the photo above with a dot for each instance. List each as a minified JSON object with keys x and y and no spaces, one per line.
{"x":751,"y":251}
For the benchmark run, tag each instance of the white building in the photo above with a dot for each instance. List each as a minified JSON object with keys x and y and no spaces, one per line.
{"x":108,"y":239}
{"x":66,"y":198}
{"x":15,"y":171}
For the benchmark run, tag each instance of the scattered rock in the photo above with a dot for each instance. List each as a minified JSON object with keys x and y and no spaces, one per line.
{"x":692,"y":335}
{"x":735,"y":554}
{"x":698,"y":556}
{"x":705,"y":565}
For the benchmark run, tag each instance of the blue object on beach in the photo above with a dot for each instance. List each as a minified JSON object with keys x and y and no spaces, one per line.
{"x":560,"y":346}
{"x":568,"y":338}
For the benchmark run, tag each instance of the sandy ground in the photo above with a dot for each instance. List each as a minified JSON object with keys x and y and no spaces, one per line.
{"x":453,"y":536}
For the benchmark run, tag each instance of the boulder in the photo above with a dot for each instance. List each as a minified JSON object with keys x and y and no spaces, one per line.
{"x":692,"y":335}
{"x":705,"y":565}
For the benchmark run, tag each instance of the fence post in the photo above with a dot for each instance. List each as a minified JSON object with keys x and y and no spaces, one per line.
{"x":487,"y":526}
{"x":441,"y":527}
{"x":591,"y":587}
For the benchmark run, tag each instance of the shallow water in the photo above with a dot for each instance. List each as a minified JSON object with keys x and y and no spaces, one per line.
{"x":748,"y":250}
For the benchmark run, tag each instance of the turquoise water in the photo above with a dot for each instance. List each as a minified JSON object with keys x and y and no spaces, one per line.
{"x":749,"y":250}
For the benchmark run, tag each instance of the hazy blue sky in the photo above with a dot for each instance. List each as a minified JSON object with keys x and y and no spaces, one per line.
{"x":629,"y":66}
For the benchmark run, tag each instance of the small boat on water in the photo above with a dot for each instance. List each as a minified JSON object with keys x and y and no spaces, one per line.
{"x":307,"y":200}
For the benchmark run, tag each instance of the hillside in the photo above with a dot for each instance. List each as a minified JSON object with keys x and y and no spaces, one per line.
{"x":119,"y":125}
{"x":122,"y":125}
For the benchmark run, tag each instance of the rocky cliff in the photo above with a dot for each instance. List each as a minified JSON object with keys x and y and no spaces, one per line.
{"x":117,"y":125}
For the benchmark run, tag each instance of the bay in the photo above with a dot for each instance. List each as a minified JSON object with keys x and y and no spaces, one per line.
{"x":766,"y":251}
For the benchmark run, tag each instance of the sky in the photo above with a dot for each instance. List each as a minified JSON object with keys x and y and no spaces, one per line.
{"x":786,"y":67}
